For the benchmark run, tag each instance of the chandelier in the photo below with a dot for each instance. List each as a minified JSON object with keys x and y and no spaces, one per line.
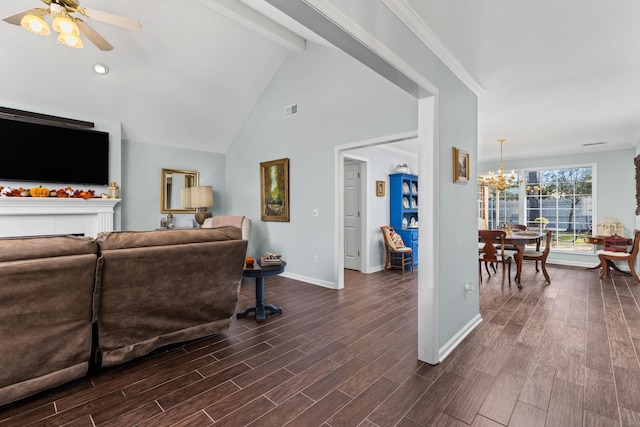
{"x":500,"y":181}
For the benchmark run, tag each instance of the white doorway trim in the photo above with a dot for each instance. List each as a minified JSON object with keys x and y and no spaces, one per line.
{"x":340,"y":153}
{"x":429,"y":236}
{"x":427,"y":95}
{"x":428,"y":304}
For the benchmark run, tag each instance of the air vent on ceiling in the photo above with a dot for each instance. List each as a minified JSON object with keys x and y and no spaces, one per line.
{"x":589,"y":144}
{"x":291,"y":110}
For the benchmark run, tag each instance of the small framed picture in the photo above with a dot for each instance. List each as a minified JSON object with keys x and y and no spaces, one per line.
{"x":380,"y":188}
{"x":460,"y":166}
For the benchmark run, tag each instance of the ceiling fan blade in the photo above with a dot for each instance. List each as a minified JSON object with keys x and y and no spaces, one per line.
{"x":112,"y":19}
{"x":92,"y":35}
{"x":15,"y":19}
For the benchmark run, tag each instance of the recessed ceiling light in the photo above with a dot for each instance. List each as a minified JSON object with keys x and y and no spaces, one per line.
{"x":101,"y":69}
{"x":589,"y":144}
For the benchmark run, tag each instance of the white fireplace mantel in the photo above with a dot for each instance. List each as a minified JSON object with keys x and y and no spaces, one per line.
{"x":33,"y":216}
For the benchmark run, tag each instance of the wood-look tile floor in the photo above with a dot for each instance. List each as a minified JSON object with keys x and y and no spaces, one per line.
{"x":564,"y":354}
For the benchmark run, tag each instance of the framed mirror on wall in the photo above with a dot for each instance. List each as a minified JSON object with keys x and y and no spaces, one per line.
{"x":173,"y":182}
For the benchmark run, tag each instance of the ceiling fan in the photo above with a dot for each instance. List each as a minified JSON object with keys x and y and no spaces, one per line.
{"x":70,"y":27}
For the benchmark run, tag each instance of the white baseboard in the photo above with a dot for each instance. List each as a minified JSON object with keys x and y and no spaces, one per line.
{"x":450,"y":345}
{"x":375,"y":269}
{"x":311,"y":280}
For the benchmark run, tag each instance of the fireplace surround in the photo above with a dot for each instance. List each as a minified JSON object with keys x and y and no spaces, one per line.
{"x":37,"y":216}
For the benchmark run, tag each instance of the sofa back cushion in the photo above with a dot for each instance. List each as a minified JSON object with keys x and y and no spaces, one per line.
{"x":46,"y":293}
{"x":21,"y":248}
{"x":162,"y":287}
{"x":139,"y":239}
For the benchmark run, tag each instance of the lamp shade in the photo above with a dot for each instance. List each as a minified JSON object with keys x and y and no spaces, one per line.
{"x":201,"y":196}
{"x":70,"y":40}
{"x":65,"y":25}
{"x":35,"y":24}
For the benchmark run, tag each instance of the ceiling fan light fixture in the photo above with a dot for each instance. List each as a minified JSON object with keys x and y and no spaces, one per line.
{"x":62,"y":14}
{"x":70,"y":40}
{"x":65,"y":25}
{"x":35,"y":24}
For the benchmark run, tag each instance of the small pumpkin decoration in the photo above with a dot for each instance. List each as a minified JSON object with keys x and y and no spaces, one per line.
{"x":39,"y":192}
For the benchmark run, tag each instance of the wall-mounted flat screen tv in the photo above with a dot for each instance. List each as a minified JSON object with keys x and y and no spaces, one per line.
{"x":53,"y":154}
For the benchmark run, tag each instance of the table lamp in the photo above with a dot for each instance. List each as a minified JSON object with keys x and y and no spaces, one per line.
{"x":201,"y":197}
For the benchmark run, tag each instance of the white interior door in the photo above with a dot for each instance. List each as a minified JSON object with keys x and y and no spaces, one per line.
{"x":352,"y":224}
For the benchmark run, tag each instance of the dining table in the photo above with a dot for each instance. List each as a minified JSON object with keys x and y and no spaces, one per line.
{"x":519,"y":239}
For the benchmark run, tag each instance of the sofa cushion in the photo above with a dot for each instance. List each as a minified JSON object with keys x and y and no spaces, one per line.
{"x":45,"y":312}
{"x":21,"y":248}
{"x":162,"y":287}
{"x":138,"y":239}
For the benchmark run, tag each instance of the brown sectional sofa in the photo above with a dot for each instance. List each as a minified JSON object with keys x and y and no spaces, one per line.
{"x":139,"y":290}
{"x":46,"y":292}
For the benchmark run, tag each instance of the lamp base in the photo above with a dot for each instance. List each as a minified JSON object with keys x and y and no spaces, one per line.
{"x":201,"y":215}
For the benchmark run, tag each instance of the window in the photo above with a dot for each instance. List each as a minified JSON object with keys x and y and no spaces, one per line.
{"x":557,"y":199}
{"x":561,"y":200}
{"x":504,"y":207}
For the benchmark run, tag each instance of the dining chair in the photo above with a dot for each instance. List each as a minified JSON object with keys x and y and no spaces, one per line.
{"x":608,"y":256}
{"x":493,"y":251}
{"x":515,"y":228}
{"x":398,"y":255}
{"x":540,"y":256}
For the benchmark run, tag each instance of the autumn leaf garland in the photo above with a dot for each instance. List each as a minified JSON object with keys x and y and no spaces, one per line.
{"x":65,"y":193}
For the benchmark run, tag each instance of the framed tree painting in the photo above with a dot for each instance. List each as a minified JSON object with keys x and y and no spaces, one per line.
{"x":274,"y":190}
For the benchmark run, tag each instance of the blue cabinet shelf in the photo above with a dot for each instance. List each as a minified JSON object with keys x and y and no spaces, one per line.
{"x":403,"y":209}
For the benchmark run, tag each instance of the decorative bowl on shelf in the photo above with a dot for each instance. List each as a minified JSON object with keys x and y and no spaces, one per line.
{"x":402,"y":168}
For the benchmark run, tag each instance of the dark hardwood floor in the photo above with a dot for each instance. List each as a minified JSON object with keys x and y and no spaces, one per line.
{"x":564,"y":354}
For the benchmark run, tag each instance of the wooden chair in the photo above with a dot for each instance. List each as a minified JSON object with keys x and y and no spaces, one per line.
{"x":398,"y":255}
{"x":608,"y":257}
{"x":515,"y":228}
{"x":538,"y":255}
{"x":493,"y":251}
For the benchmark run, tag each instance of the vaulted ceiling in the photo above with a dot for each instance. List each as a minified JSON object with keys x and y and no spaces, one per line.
{"x":552,"y":78}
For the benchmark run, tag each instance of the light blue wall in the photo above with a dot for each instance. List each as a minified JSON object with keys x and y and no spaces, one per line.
{"x":339,"y":101}
{"x":614,"y":192}
{"x":455,"y":234}
{"x":142,"y":171}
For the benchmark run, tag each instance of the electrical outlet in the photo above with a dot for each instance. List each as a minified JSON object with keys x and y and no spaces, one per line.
{"x":315,"y":259}
{"x":468,"y":288}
